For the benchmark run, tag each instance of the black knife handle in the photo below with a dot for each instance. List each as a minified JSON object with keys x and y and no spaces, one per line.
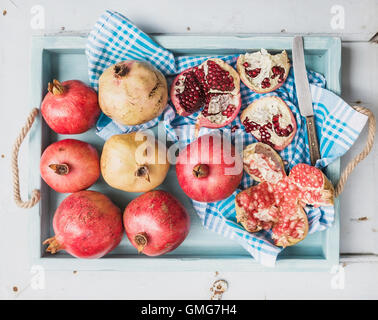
{"x":312,"y":139}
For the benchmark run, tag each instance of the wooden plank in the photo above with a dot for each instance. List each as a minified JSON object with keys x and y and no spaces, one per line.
{"x":356,"y":281}
{"x":359,"y":201}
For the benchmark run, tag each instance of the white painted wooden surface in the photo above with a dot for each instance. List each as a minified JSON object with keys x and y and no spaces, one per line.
{"x":359,"y":239}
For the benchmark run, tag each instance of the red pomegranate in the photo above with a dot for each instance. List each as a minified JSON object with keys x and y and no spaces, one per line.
{"x":156,"y":223}
{"x":263,"y":72}
{"x":87,"y":225}
{"x":262,"y":163}
{"x":270,"y":120}
{"x":70,"y":165}
{"x":213,"y":87}
{"x":209,"y":169}
{"x":70,"y":107}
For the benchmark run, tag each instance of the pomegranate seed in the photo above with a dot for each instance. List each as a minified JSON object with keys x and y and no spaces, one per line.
{"x":246,"y":64}
{"x":218,"y":78}
{"x":234,"y":128}
{"x":282,"y":132}
{"x":265,"y":83}
{"x":253,"y":73}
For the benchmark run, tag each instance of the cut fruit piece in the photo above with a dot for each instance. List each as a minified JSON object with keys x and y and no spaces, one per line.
{"x":262,"y":163}
{"x":279,"y":205}
{"x":268,"y":206}
{"x":315,"y":187}
{"x":212,"y":87}
{"x":255,"y":208}
{"x":263,"y":72}
{"x":271,"y":121}
{"x":291,"y":228}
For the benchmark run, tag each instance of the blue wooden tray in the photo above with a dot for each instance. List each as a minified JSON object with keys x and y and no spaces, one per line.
{"x":63,"y":58}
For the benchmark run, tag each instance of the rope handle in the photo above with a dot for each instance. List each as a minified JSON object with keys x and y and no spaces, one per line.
{"x":36,"y":195}
{"x":368,"y":146}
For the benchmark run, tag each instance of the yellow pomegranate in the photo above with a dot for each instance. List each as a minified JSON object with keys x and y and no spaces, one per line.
{"x":134,"y":162}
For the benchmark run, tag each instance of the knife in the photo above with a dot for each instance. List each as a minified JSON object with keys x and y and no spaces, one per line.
{"x":304,"y":97}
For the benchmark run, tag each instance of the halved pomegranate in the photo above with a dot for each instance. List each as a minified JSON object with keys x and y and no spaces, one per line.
{"x":263,"y":72}
{"x":270,"y":120}
{"x":262,"y":163}
{"x":278,"y":205}
{"x":213,"y":87}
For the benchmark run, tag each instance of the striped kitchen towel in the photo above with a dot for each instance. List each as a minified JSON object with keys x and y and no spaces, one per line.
{"x":115,"y":38}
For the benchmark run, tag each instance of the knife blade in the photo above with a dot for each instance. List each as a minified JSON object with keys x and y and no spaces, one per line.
{"x":304,"y":97}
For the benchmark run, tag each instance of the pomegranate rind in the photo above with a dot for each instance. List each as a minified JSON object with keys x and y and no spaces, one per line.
{"x":202,"y":120}
{"x":258,"y":154}
{"x":250,"y":112}
{"x":247,"y":80}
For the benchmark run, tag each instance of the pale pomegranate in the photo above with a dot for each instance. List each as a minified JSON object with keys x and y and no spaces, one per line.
{"x":70,"y":165}
{"x":70,"y":107}
{"x":278,"y":205}
{"x":270,"y":120}
{"x":134,"y":162}
{"x":87,"y":225}
{"x":263,"y":72}
{"x":132,"y":92}
{"x":212,"y":87}
{"x":209,"y":169}
{"x":156,"y":223}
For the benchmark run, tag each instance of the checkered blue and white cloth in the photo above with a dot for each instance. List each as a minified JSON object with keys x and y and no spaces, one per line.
{"x":115,"y":38}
